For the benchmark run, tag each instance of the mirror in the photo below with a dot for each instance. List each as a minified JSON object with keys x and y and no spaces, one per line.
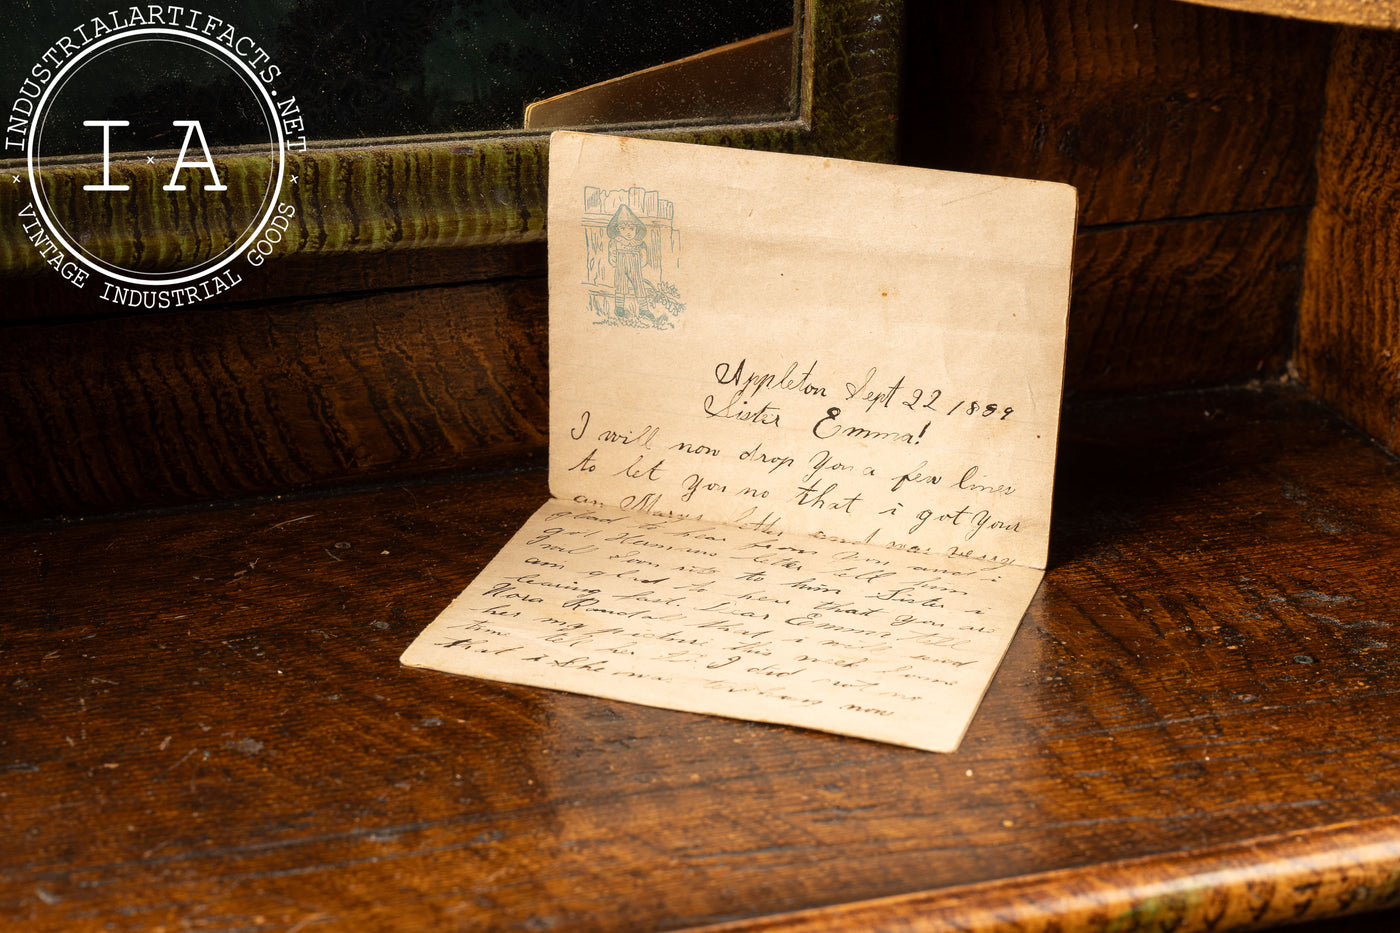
{"x":373,"y":70}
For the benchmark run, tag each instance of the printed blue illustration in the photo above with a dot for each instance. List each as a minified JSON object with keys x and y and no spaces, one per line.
{"x":632,"y":248}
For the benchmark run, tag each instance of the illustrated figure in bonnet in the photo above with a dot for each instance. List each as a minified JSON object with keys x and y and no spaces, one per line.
{"x":627,"y":254}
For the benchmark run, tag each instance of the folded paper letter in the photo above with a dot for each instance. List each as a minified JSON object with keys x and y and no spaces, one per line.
{"x":803,"y":416}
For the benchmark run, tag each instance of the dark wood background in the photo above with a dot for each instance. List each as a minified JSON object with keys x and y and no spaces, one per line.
{"x":1191,"y":134}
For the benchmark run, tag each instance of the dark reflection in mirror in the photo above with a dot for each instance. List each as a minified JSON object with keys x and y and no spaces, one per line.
{"x":373,"y":69}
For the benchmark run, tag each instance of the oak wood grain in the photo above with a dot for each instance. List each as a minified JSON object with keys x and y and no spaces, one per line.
{"x":1152,"y":109}
{"x":1189,"y":303}
{"x":207,"y":726}
{"x":1349,"y":322}
{"x":39,"y":299}
{"x":110,"y":415}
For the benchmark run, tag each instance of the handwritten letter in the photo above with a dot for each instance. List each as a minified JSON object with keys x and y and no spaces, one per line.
{"x":803,"y":423}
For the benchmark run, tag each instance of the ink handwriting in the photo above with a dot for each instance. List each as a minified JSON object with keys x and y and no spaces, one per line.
{"x":597,"y":595}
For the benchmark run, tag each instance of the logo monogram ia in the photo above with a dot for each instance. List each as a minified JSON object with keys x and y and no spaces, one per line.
{"x":192,"y":127}
{"x":122,"y":228}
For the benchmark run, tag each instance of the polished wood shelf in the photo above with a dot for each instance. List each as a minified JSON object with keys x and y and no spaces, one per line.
{"x":1197,"y":726}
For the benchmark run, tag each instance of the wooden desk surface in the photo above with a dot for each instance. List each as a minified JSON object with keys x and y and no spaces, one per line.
{"x":1197,"y":726}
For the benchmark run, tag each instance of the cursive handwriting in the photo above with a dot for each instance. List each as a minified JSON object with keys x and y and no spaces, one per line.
{"x":751,"y":383}
{"x":599,"y":600}
{"x":738,"y":410}
{"x":762,"y":444}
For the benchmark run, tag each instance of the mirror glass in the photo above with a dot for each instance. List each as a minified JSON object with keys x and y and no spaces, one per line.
{"x":390,"y":68}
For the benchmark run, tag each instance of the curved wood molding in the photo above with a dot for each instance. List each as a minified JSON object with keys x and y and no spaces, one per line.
{"x":1374,"y":14}
{"x":1323,"y":873}
{"x":466,"y":191}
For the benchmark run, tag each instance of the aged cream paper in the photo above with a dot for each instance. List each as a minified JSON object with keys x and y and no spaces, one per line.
{"x":803,"y":425}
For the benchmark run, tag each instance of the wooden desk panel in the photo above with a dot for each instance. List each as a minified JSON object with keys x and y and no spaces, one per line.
{"x":206,"y":725}
{"x":1349,"y":317}
{"x":123,"y":414}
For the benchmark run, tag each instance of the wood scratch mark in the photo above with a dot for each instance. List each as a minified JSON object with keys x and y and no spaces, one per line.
{"x":292,"y":521}
{"x":155,"y":848}
{"x":306,"y":921}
